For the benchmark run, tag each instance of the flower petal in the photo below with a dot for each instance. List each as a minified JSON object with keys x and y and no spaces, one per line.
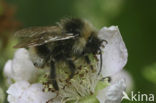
{"x":112,"y":93}
{"x":21,"y":53}
{"x":8,"y":69}
{"x":126,"y":76}
{"x":22,"y":66}
{"x":115,"y":52}
{"x":34,"y":94}
{"x":24,"y":92}
{"x":16,"y":90}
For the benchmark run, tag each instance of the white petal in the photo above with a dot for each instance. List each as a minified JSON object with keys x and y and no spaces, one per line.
{"x":16,"y":90}
{"x":112,"y":93}
{"x":115,"y":52}
{"x":8,"y":69}
{"x":21,"y":53}
{"x":35,"y":95}
{"x":22,"y":66}
{"x":127,"y":77}
{"x":23,"y":92}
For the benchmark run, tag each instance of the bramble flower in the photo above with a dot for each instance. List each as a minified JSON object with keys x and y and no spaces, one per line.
{"x":85,"y":87}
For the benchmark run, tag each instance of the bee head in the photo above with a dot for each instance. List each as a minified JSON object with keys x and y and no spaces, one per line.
{"x":93,"y":44}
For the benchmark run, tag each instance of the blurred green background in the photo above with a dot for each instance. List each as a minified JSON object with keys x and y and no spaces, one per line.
{"x":136,"y":20}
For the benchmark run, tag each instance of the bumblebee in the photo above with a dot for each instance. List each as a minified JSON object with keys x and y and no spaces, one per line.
{"x":70,"y":38}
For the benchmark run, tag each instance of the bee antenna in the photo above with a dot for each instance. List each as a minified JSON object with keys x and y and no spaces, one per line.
{"x":101,"y":60}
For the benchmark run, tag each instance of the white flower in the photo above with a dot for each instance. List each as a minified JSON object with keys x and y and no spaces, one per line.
{"x":24,"y":92}
{"x":21,"y":67}
{"x":115,"y":52}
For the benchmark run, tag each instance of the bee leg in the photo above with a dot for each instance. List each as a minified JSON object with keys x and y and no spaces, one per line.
{"x":88,"y":62}
{"x":71,"y":67}
{"x":53,"y":75}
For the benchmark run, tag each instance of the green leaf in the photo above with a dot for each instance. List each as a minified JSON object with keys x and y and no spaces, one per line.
{"x":150,"y":73}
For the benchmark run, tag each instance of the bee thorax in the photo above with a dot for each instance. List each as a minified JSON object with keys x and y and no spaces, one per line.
{"x":79,"y":46}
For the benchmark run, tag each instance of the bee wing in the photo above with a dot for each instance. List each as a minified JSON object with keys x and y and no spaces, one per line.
{"x":36,"y":36}
{"x":33,"y":31}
